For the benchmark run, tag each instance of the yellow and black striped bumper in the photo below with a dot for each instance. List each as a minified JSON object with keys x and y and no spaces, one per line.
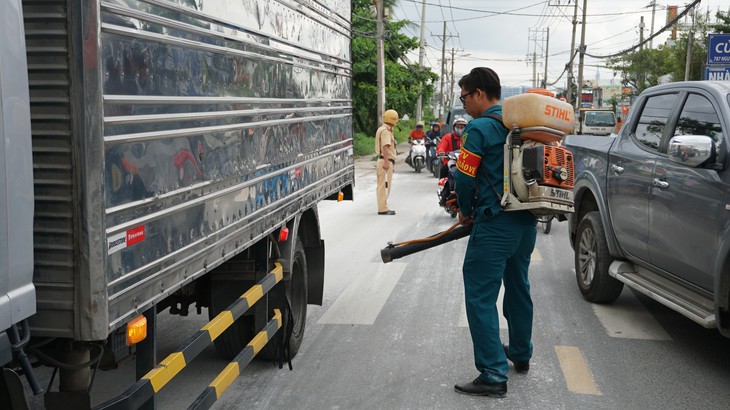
{"x":151,"y":383}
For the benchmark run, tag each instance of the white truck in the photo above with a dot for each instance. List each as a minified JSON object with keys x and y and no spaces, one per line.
{"x":596,"y":122}
{"x":160,"y":154}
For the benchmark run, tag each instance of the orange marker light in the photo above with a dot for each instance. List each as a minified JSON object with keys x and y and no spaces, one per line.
{"x":340,"y":196}
{"x":284,"y":234}
{"x":136,"y":330}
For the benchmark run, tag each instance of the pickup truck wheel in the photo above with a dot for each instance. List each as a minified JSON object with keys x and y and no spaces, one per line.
{"x":592,"y":260}
{"x":296,"y":290}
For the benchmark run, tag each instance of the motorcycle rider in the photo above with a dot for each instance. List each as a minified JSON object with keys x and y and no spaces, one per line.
{"x":435,"y":131}
{"x":451,"y":142}
{"x":416,"y":134}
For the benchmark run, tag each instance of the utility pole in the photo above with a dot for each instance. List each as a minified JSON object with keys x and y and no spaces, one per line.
{"x":451,"y":90}
{"x":653,"y":12}
{"x":381,"y":60}
{"x":572,"y":50}
{"x":688,"y":62}
{"x":421,"y":54}
{"x":534,"y":69}
{"x":582,"y":55}
{"x":444,"y":37}
{"x":547,"y":46}
{"x":640,"y":68}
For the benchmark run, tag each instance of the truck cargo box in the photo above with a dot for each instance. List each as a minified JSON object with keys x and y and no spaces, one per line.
{"x":170,"y":135}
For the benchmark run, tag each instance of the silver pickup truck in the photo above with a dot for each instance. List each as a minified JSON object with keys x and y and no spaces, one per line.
{"x":652,"y":203}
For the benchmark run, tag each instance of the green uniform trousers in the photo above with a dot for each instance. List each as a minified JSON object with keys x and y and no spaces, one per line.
{"x":499,"y":250}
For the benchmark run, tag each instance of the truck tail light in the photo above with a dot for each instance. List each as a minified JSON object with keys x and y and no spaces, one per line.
{"x":136,"y":330}
{"x":284,"y":234}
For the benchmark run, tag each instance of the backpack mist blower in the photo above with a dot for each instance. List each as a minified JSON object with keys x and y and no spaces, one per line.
{"x":538,"y":171}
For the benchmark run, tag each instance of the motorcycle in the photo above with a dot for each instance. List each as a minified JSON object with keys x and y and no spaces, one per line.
{"x":445,"y":191}
{"x":418,"y":155}
{"x":433,"y":163}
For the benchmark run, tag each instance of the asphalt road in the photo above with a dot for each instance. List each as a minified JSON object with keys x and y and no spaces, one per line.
{"x":395,"y":336}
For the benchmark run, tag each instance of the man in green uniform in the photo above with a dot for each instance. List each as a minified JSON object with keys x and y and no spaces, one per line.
{"x":500,"y":244}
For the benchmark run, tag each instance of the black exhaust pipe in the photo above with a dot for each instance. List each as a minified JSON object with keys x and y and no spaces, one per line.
{"x":392,"y":252}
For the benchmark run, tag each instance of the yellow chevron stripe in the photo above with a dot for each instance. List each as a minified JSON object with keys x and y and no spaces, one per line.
{"x":258,"y":342}
{"x":225,"y":378}
{"x":219,"y":324}
{"x":253,"y":295}
{"x":278,"y":272}
{"x":165,"y":371}
{"x":277,"y":316}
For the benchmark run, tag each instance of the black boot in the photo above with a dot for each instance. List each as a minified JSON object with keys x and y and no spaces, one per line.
{"x":520,"y":367}
{"x":479,"y":387}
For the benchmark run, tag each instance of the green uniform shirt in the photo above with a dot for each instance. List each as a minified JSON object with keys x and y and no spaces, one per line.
{"x":481,"y":168}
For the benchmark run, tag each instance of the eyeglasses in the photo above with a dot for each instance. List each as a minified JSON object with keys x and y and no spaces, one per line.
{"x":463,"y":97}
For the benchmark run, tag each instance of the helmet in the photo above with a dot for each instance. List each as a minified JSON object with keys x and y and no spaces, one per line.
{"x":390,"y":117}
{"x":460,"y":120}
{"x":419,"y":124}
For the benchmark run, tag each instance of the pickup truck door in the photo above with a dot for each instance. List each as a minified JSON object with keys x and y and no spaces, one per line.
{"x":687,"y":205}
{"x":630,"y":169}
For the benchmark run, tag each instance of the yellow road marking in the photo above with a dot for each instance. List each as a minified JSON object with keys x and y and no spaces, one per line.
{"x":167,"y":369}
{"x":575,"y":370}
{"x":219,"y":324}
{"x":225,"y":378}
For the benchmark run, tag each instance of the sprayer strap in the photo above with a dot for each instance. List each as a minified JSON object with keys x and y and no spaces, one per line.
{"x":498,"y":118}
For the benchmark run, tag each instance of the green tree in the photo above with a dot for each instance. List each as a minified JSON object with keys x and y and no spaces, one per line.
{"x":401,"y":76}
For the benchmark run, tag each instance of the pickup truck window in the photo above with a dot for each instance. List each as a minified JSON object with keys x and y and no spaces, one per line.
{"x":699,"y":117}
{"x":653,"y":119}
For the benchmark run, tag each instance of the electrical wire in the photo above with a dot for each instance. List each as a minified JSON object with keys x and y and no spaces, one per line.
{"x":646,"y":41}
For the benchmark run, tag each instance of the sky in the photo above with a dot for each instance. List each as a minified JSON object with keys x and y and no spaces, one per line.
{"x":501,"y":42}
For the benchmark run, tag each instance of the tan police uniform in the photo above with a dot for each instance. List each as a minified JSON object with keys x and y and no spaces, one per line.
{"x":384,"y":144}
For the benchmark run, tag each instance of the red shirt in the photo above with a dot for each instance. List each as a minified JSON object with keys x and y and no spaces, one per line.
{"x":417,"y":134}
{"x":450,"y":142}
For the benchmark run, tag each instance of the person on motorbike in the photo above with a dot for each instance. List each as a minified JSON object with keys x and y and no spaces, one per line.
{"x":416,"y":134}
{"x":450,"y":142}
{"x":435,"y":131}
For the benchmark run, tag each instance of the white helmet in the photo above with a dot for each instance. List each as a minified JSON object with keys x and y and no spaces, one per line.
{"x":460,"y":120}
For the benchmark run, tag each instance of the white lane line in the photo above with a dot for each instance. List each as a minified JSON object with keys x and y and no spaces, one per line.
{"x":578,"y":377}
{"x":363,"y":299}
{"x":627,"y":318}
{"x":463,"y":322}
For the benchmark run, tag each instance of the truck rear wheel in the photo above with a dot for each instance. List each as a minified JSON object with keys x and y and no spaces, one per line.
{"x":296,"y":291}
{"x":592,"y":260}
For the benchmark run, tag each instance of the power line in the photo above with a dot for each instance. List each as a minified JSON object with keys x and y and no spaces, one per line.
{"x":640,"y":44}
{"x":512,"y":12}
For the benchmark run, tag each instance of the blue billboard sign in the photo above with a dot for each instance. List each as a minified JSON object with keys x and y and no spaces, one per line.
{"x":717,"y":73}
{"x":718,"y":50}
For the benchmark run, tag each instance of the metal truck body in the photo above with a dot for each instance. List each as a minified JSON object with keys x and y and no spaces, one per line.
{"x":167,"y":138}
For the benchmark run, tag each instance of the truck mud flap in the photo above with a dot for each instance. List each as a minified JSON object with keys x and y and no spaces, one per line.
{"x":151,"y":383}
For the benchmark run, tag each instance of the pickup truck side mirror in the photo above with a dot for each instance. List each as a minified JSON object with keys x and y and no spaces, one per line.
{"x":693,"y":150}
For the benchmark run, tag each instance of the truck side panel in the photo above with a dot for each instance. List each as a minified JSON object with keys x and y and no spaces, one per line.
{"x":17,"y":294}
{"x":214,"y":124}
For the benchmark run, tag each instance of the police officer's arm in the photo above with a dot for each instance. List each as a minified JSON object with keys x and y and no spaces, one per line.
{"x":472,"y":151}
{"x":387,"y":139}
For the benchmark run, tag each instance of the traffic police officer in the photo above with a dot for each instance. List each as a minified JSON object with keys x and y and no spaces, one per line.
{"x":500,"y":244}
{"x":385,"y":148}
